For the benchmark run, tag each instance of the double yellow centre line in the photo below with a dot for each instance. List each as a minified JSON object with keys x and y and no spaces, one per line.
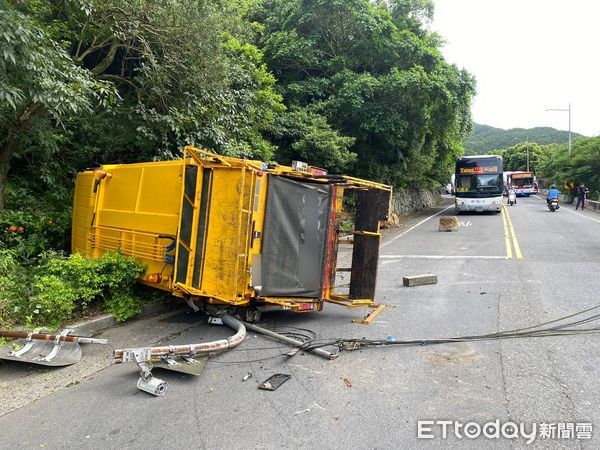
{"x":509,"y":233}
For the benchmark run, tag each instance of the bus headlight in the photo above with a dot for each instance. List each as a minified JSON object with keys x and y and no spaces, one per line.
{"x":497,"y":202}
{"x":459,"y":202}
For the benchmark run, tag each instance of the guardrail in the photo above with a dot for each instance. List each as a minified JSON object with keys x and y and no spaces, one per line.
{"x":594,"y":205}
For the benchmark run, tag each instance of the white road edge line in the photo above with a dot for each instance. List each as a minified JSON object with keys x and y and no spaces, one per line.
{"x":414,"y":226}
{"x":441,"y":257}
{"x":573,"y":212}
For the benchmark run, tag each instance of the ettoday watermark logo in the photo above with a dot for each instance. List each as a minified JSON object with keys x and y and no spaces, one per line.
{"x":442,"y":429}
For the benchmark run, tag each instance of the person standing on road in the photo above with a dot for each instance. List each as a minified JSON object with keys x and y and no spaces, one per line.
{"x":582,"y":192}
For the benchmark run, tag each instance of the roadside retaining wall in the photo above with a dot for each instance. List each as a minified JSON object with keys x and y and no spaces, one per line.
{"x":406,"y":201}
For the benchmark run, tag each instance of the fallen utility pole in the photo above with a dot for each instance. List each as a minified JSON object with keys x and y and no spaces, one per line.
{"x":53,"y":350}
{"x":145,"y":356}
{"x":279,"y":337}
{"x":51,"y":337}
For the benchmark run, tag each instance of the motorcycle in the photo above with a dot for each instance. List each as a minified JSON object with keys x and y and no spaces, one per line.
{"x":512,"y":198}
{"x":553,"y":205}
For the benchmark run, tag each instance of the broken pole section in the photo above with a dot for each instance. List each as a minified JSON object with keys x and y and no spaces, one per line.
{"x":279,"y":337}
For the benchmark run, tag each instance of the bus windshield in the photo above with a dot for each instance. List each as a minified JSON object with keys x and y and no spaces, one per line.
{"x":479,"y":183}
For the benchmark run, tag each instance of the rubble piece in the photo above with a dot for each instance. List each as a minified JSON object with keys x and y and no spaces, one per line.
{"x":392,"y":222}
{"x":419,"y":280}
{"x":274,"y":381}
{"x":449,"y":223}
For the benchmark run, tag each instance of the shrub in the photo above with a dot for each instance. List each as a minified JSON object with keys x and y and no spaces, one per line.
{"x":62,"y":286}
{"x":29,"y":233}
{"x":123,"y":305}
{"x":13,"y":282}
{"x":53,"y":302}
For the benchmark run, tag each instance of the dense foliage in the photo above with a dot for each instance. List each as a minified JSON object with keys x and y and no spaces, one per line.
{"x":583,"y":166}
{"x":95,"y":81}
{"x":485,"y":138}
{"x":518,"y":156}
{"x":370,"y":81}
{"x":356,"y":86}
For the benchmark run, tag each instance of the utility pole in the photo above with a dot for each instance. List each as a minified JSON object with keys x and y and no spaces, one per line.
{"x":569,"y":111}
{"x":527,"y":147}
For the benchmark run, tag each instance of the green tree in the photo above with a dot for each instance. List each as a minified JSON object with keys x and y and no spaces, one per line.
{"x":582,"y":166}
{"x":374,"y":77}
{"x":183,"y":71}
{"x":515,"y":158}
{"x":38,"y":82}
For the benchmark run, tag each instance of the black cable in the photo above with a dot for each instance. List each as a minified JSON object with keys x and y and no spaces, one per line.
{"x":564,"y":329}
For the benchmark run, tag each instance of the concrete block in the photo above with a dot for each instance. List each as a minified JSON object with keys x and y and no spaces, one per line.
{"x":419,"y":280}
{"x":449,"y":223}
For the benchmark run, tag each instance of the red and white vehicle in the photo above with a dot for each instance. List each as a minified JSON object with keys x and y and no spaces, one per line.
{"x":524,"y":183}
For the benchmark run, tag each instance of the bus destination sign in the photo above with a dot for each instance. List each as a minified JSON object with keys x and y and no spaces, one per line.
{"x":478,"y":170}
{"x":516,"y":176}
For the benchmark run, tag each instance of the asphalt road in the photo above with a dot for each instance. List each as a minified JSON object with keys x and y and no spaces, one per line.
{"x":480,"y":290}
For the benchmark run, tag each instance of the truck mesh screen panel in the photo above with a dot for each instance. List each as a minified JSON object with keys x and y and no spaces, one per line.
{"x":294,"y":241}
{"x":202,"y":226}
{"x":185,"y":224}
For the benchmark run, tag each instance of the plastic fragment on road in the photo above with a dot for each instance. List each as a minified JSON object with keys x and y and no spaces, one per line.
{"x":274,"y":381}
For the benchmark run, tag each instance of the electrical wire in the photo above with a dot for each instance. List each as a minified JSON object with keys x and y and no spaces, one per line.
{"x":310,"y":342}
{"x":539,"y":330}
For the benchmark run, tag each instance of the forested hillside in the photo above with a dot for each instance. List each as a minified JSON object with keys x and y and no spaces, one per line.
{"x":486,"y":138}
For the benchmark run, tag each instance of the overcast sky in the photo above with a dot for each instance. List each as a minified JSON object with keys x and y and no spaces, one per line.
{"x":527,"y":55}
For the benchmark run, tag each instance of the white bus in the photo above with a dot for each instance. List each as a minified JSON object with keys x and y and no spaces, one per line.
{"x":524,"y":183}
{"x":478,"y":184}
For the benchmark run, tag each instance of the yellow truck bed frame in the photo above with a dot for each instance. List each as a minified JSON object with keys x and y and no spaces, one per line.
{"x":231,"y":231}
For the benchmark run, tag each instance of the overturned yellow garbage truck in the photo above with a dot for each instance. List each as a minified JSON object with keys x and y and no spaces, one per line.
{"x":228,"y":231}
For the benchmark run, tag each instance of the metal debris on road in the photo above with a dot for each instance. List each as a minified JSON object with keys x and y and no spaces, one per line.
{"x":54,"y":350}
{"x":317,"y":351}
{"x":248,"y":375}
{"x":371,"y":315}
{"x":187,"y":358}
